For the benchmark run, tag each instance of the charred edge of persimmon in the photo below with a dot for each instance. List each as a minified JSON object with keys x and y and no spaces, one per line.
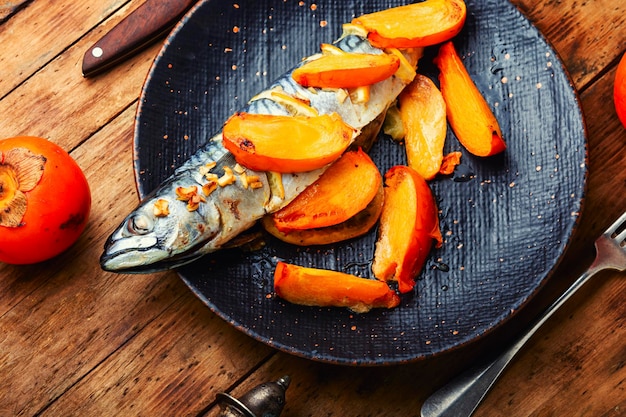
{"x":246,"y":145}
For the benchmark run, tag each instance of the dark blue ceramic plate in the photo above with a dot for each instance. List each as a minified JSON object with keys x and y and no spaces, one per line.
{"x":506,"y":220}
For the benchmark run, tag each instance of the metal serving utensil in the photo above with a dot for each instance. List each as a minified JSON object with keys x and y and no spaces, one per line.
{"x":461,"y":396}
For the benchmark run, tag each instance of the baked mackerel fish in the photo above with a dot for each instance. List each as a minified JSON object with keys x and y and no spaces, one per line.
{"x":148,"y":240}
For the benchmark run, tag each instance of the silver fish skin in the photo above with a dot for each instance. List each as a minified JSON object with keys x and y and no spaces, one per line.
{"x":146,"y":243}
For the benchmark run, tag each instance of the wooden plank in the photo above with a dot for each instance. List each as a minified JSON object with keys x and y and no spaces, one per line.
{"x":578,"y":28}
{"x":9,"y":8}
{"x":579,"y":355}
{"x":69,"y":110}
{"x":173,"y":367}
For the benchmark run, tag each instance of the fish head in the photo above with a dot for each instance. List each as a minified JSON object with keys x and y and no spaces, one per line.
{"x":145,"y":242}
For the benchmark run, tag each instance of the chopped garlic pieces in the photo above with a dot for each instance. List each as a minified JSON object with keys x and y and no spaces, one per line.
{"x":185,"y":193}
{"x":193,"y":198}
{"x":228,"y":177}
{"x":161,"y":208}
{"x":239,"y":169}
{"x":206,"y":169}
{"x":209,"y":187}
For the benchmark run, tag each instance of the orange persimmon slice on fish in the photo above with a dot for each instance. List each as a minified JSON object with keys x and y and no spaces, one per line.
{"x":415,"y":25}
{"x":423,"y":114}
{"x":343,"y":190}
{"x":327,"y":288}
{"x":469,"y":115}
{"x":355,"y":226}
{"x":349,"y":70}
{"x":286,"y":143}
{"x":409,"y":225}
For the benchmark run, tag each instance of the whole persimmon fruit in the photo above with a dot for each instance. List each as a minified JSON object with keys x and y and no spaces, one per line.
{"x":44,"y":200}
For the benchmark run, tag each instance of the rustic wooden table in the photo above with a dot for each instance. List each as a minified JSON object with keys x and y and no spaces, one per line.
{"x":75,"y":340}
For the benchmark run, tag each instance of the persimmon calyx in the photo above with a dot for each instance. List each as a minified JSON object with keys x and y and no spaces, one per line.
{"x":20,"y":172}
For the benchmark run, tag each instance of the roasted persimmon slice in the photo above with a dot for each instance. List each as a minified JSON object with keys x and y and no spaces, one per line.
{"x":342,"y":191}
{"x":409,"y":225}
{"x":349,"y":70}
{"x":286,"y":143}
{"x":423,"y":114}
{"x":326,"y":288}
{"x":469,"y":115}
{"x":355,"y":226}
{"x":415,"y":25}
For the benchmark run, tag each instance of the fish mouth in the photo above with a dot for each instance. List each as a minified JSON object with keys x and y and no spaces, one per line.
{"x":147,"y":259}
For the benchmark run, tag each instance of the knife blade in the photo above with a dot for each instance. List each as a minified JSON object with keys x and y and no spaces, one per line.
{"x":142,"y":27}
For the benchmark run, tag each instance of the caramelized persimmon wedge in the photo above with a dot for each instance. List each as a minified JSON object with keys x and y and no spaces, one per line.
{"x":286,"y":143}
{"x":326,"y":288}
{"x":349,"y":70}
{"x":415,"y":25}
{"x":355,"y":226}
{"x":343,"y":190}
{"x":423,"y":114}
{"x":409,"y":225}
{"x":469,"y":115}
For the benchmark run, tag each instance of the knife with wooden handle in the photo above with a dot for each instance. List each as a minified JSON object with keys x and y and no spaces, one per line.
{"x":146,"y":24}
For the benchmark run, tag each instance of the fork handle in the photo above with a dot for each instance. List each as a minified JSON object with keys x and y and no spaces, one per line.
{"x":461,"y":396}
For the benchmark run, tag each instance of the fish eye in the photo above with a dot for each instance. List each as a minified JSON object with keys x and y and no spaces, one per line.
{"x":140,"y":224}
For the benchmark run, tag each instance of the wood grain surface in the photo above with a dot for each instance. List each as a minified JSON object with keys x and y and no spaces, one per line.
{"x":75,"y":340}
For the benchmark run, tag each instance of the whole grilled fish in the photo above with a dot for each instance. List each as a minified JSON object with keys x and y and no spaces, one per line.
{"x":150,"y":240}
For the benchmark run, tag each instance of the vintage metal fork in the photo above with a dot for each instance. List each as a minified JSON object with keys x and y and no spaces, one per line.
{"x":461,"y":396}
